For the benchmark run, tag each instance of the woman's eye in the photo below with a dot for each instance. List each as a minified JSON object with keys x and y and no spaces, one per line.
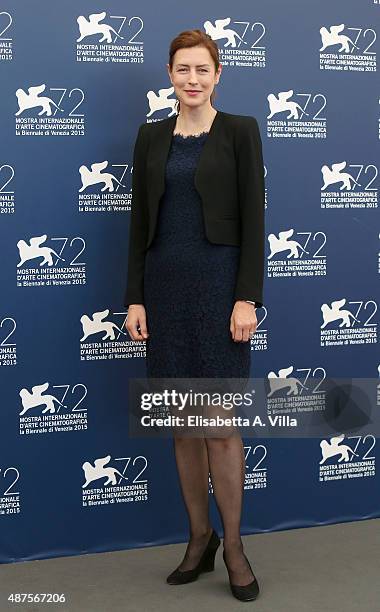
{"x":183,"y":69}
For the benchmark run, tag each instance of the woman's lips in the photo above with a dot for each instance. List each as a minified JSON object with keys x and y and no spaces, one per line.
{"x":192,"y":92}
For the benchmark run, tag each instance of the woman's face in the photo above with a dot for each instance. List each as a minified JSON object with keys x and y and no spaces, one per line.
{"x":193,"y":76}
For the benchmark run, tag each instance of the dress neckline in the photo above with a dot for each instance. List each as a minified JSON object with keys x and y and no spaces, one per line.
{"x":203,"y":133}
{"x":183,"y":137}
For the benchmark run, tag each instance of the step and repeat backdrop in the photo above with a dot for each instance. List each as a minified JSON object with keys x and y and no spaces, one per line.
{"x":77,"y":80}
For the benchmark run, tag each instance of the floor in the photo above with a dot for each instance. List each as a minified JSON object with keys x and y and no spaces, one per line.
{"x":334,"y":568}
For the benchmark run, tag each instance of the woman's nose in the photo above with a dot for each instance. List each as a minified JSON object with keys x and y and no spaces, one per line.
{"x":193,"y":78}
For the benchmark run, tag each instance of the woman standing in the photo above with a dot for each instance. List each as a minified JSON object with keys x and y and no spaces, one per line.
{"x":195,"y":277}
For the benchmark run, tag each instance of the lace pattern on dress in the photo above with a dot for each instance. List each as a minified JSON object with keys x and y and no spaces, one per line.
{"x":190,"y":135}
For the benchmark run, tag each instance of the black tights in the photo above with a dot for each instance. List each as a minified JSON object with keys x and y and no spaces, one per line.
{"x":224,"y":458}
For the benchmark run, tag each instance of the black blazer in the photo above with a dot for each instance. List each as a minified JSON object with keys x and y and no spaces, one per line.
{"x":230,"y":181}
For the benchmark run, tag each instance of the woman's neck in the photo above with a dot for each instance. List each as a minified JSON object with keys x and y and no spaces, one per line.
{"x":194,"y":121}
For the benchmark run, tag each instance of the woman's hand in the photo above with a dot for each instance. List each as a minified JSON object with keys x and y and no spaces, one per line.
{"x":243,"y":321}
{"x":137,"y":318}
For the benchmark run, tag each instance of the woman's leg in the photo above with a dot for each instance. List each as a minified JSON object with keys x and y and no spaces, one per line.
{"x":227,"y":469}
{"x":193,"y":469}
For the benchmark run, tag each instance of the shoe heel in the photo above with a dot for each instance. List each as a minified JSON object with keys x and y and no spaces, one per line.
{"x":209,"y":561}
{"x":206,"y":564}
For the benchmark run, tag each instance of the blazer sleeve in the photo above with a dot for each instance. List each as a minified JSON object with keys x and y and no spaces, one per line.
{"x":138,"y":225}
{"x":251,"y":192}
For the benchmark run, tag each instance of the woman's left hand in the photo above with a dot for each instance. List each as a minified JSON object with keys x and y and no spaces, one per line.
{"x":243,"y":321}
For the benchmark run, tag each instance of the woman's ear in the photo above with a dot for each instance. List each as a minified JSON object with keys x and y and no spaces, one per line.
{"x":169,"y":74}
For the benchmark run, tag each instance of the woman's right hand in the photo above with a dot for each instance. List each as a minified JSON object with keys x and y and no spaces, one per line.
{"x":137,"y":318}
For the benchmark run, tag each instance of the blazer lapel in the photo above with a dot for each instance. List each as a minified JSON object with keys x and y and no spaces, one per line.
{"x":209,"y":151}
{"x":157,"y":156}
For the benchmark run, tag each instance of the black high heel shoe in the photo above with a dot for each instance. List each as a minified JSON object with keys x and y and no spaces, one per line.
{"x":206,"y":563}
{"x":248,"y":592}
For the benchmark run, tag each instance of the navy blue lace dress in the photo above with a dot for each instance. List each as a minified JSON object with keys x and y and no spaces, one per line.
{"x":189,"y":282}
